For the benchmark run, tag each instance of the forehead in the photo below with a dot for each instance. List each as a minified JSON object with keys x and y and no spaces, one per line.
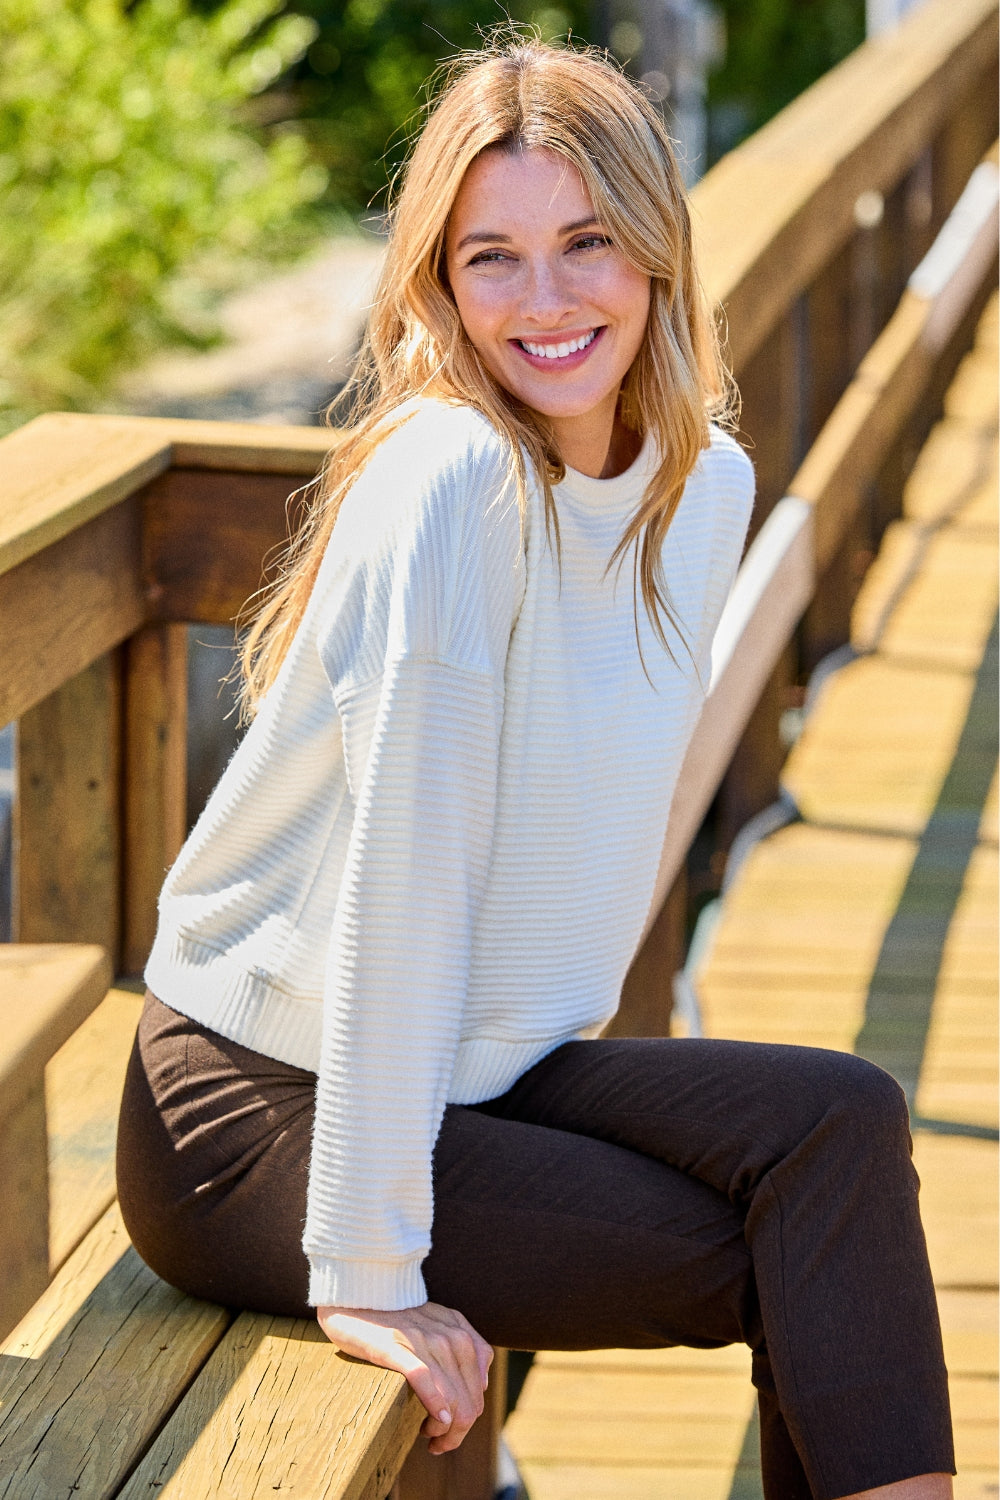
{"x":505,"y":192}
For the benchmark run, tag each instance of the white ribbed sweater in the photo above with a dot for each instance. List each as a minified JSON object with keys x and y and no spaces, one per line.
{"x":430,"y":860}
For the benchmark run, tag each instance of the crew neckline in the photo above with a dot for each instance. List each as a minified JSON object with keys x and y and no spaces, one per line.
{"x":605,"y":492}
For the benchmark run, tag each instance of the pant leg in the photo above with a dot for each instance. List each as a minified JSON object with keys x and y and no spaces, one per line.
{"x":545,"y":1239}
{"x":813,"y":1148}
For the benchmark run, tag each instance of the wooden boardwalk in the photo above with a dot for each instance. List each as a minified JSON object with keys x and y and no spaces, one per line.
{"x":869,"y":925}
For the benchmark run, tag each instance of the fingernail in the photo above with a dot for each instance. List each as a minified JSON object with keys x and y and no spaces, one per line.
{"x":444,"y":1416}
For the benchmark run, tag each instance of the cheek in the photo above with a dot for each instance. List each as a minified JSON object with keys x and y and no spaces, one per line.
{"x":479,"y":309}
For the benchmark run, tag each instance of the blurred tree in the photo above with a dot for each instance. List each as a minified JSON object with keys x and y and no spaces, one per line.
{"x":360,"y":87}
{"x":128,"y":188}
{"x":774,"y":50}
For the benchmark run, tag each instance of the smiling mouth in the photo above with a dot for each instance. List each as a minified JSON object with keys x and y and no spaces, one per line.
{"x":558,"y":351}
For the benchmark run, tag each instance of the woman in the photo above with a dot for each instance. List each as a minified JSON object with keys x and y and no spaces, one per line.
{"x":408,"y":908}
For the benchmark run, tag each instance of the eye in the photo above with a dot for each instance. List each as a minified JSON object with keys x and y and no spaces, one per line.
{"x":488,"y":257}
{"x":591,"y":242}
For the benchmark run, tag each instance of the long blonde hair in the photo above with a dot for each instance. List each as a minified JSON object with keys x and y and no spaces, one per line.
{"x":521,"y":94}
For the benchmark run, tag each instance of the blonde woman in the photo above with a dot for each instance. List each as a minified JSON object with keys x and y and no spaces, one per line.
{"x":367,"y":1081}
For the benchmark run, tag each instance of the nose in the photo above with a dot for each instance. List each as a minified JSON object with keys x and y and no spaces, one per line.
{"x":548,"y":295}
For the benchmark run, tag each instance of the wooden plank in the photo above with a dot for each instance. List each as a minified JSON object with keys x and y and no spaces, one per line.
{"x":770,"y":214}
{"x":93,"y":1369}
{"x":930,"y":596}
{"x":46,"y":992}
{"x":68,"y":606}
{"x":68,"y":814}
{"x":63,"y":469}
{"x":876,"y":750}
{"x":277,"y":1408}
{"x":956,"y":471}
{"x":83,"y":1087}
{"x":206,"y":535}
{"x":155,"y":760}
{"x":24,"y":1234}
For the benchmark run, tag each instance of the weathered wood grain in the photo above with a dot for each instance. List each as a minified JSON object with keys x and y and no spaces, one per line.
{"x":62,"y":469}
{"x":206,"y":536}
{"x":155,"y":775}
{"x":24,"y":1193}
{"x":46,"y":991}
{"x":277,"y":1408}
{"x":67,"y":606}
{"x":83,"y":1086}
{"x":88,"y":1376}
{"x":68,"y":813}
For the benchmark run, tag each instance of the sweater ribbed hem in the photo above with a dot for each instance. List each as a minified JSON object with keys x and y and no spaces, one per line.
{"x":215,"y":990}
{"x":219,"y":992}
{"x":384,"y":1285}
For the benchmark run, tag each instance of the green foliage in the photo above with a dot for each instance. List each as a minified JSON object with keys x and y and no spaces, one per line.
{"x":360,"y":88}
{"x":775,"y":49}
{"x":127,"y":184}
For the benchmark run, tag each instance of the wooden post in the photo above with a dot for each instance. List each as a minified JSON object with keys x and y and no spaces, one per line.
{"x":648,"y":993}
{"x":67,"y":828}
{"x":155,"y":756}
{"x":470,"y":1473}
{"x":773,"y":405}
{"x":752,"y":781}
{"x":24,"y":1192}
{"x":45,"y":992}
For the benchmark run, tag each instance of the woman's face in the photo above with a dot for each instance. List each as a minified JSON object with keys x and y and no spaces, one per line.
{"x":554,"y":309}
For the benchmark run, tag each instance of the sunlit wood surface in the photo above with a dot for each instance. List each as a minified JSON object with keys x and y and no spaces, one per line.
{"x":868,"y":925}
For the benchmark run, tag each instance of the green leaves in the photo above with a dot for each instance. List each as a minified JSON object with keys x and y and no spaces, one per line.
{"x":129,"y":187}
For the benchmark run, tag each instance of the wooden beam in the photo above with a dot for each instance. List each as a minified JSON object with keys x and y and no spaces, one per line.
{"x":274,"y":1408}
{"x":95,"y":1368}
{"x":68,"y":605}
{"x":67,"y":827}
{"x":62,"y":469}
{"x":155,"y":767}
{"x":45,"y":992}
{"x":206,"y":536}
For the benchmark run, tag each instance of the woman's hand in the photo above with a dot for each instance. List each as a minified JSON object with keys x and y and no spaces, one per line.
{"x":439,"y":1352}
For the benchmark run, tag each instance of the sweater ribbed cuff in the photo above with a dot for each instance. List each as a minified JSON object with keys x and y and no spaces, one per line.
{"x":384,"y":1285}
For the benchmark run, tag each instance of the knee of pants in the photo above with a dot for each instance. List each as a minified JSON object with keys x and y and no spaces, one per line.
{"x":870,"y":1105}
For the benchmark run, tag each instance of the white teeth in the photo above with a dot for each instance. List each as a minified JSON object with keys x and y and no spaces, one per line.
{"x":559,"y":351}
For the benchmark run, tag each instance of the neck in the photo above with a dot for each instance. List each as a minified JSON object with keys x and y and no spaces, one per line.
{"x":600,"y":449}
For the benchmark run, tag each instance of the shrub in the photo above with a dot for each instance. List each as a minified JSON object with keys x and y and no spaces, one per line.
{"x":128,"y":185}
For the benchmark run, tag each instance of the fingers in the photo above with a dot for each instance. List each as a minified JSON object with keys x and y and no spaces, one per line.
{"x":442,"y":1357}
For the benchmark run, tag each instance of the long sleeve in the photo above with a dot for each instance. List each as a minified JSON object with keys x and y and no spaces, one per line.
{"x":415,"y":651}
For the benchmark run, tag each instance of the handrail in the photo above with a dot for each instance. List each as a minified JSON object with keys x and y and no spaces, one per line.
{"x":778,"y":576}
{"x":771,"y":214}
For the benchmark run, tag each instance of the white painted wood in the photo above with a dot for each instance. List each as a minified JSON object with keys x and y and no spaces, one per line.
{"x":960,"y":256}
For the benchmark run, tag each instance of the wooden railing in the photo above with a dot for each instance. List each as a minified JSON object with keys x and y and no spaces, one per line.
{"x":117,"y":532}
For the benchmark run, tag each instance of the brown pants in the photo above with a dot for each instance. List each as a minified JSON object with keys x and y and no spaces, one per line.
{"x":621,"y":1194}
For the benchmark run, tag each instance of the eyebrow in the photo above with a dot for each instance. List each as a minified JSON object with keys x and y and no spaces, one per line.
{"x":487,"y":236}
